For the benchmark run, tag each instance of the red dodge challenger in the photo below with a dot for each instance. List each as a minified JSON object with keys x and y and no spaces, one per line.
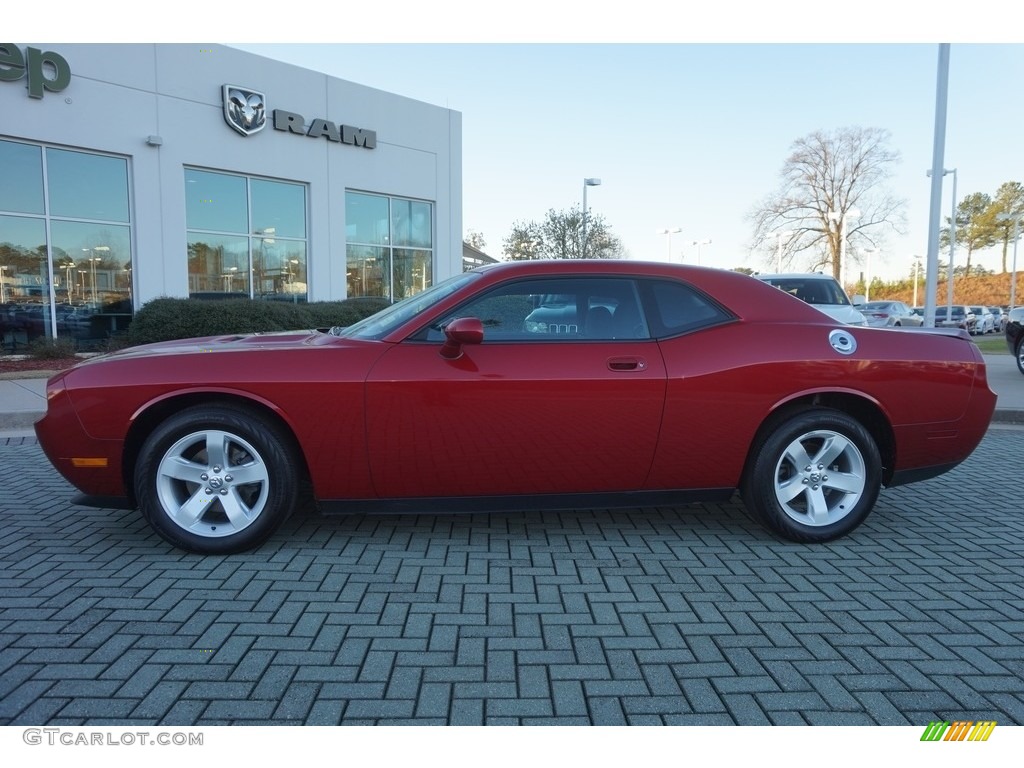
{"x":544,"y":384}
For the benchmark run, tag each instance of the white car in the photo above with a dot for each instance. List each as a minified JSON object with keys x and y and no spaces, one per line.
{"x":986,"y":321}
{"x":821,"y":291}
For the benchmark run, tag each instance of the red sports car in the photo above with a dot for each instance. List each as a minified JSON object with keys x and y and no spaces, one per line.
{"x":545,"y":384}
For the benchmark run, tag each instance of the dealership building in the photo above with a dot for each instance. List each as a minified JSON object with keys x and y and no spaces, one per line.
{"x":129,"y":172}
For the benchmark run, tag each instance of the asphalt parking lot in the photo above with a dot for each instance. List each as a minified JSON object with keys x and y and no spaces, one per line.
{"x":690,"y":615}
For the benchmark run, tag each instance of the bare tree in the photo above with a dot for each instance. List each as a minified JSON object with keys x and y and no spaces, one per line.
{"x":827,"y":178}
{"x":559,"y":237}
{"x":475,"y":239}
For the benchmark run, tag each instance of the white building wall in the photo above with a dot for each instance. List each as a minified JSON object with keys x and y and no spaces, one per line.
{"x":121,"y":94}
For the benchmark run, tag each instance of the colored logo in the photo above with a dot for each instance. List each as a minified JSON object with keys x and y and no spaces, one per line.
{"x":961,"y":730}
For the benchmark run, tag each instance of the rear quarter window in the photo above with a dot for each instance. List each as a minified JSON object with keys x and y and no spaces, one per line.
{"x":677,"y":308}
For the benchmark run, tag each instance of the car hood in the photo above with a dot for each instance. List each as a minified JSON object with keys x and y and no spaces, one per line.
{"x":213,"y":344}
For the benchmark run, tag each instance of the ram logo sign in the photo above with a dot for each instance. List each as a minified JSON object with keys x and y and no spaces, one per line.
{"x":245,"y":110}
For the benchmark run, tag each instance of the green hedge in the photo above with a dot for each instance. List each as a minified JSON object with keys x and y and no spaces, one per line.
{"x":166,"y":319}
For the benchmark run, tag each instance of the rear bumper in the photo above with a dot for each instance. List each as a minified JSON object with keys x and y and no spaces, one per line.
{"x":928,"y":450}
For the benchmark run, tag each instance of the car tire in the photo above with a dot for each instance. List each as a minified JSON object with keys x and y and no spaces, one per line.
{"x":216,"y":479}
{"x":1020,"y":355}
{"x":813,"y":477}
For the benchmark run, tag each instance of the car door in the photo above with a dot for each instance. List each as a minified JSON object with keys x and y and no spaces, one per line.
{"x":558,"y":398}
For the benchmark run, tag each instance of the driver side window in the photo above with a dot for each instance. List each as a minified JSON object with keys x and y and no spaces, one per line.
{"x":554,"y":310}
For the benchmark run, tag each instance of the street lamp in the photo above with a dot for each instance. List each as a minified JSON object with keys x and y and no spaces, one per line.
{"x":257,"y":275}
{"x":669,"y":232}
{"x":778,"y":255}
{"x":952,"y":242}
{"x":586,"y":183}
{"x":917,"y":269}
{"x":1016,"y":218}
{"x":68,"y":267}
{"x":229,"y":279}
{"x":867,"y":274}
{"x":699,"y":243}
{"x":92,"y":268}
{"x":841,"y":217}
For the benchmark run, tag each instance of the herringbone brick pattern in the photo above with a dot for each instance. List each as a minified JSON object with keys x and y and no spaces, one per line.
{"x":660,"y":616}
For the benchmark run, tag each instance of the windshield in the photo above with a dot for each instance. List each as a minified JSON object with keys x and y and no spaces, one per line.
{"x":382,"y":323}
{"x":813,"y":290}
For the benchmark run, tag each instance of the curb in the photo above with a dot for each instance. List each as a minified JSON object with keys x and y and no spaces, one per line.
{"x":1008,"y":416}
{"x":19,"y":421}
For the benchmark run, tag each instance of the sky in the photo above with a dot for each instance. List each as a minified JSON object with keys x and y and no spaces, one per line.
{"x":694,"y":135}
{"x":685,"y":113}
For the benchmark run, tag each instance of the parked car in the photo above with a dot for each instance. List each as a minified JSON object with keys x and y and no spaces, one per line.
{"x":822,"y":292}
{"x":701,"y":382}
{"x":986,"y":322}
{"x":961,"y":317}
{"x":890,"y":314}
{"x":998,"y":318}
{"x":1015,"y":335}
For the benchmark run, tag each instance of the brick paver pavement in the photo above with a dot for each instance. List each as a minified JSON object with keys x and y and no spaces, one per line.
{"x":693,"y":615}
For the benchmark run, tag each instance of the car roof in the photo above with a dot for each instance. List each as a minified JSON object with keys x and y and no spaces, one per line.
{"x":793,"y":276}
{"x":743,"y":295}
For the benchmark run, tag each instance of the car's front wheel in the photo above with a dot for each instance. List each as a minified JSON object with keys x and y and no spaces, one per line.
{"x":814,"y":477}
{"x":1020,"y":355}
{"x":216,"y":479}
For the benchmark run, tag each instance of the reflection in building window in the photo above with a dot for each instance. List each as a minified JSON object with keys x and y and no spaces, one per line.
{"x":390,"y":243}
{"x":246,"y":237}
{"x":65,"y":246}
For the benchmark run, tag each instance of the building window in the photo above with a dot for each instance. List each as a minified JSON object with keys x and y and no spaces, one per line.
{"x":390,"y":243}
{"x":246,"y":236}
{"x":65,"y":245}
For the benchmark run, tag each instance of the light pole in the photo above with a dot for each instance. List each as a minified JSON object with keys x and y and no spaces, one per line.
{"x":1016,"y":218}
{"x":68,"y":267}
{"x":670,"y":232}
{"x":778,"y":256}
{"x":867,"y":274}
{"x":699,"y":243}
{"x":952,"y":242}
{"x":92,"y":268}
{"x":583,"y":237}
{"x":917,"y":269}
{"x":257,"y":275}
{"x":841,"y":217}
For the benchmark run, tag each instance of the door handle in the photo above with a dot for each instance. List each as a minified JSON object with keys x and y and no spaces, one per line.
{"x":627,"y":364}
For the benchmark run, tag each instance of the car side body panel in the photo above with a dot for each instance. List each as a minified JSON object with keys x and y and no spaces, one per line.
{"x":715,"y":402}
{"x":514,"y":418}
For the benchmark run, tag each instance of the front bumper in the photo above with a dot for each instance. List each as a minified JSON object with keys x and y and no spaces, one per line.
{"x":92,"y":465}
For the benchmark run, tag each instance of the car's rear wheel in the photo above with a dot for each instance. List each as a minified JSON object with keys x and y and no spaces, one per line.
{"x":216,"y":479}
{"x":815,"y":476}
{"x":1020,"y":354}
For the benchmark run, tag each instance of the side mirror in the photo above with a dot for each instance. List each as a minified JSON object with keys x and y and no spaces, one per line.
{"x":858,"y":300}
{"x":463,"y":330}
